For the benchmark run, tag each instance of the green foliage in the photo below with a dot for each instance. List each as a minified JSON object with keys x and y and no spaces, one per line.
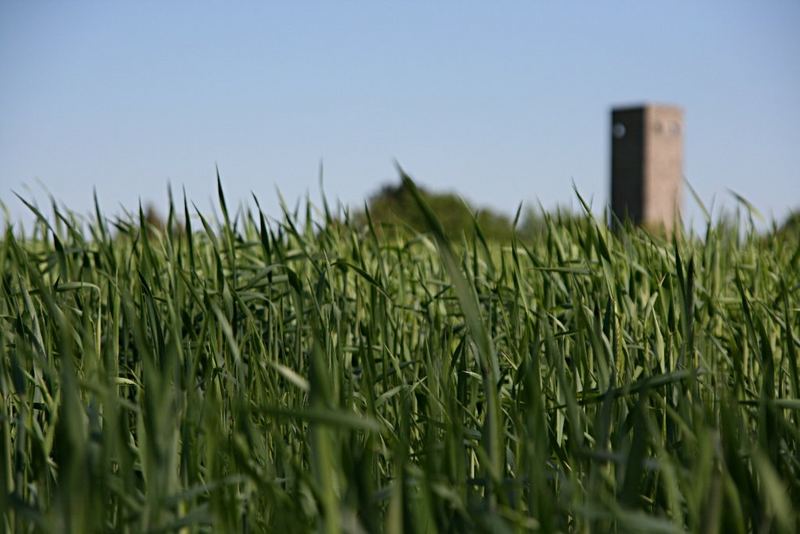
{"x":394,"y":207}
{"x":791,"y":227}
{"x":243,"y":376}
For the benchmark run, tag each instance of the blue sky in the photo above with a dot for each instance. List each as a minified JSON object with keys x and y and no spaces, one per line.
{"x":501,"y":101}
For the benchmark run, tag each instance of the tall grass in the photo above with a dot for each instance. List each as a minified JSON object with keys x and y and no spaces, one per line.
{"x":303,"y":374}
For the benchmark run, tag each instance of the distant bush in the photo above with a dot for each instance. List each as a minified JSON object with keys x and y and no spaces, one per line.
{"x":791,"y":226}
{"x":393,"y":208}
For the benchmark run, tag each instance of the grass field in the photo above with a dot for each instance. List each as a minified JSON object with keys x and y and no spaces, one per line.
{"x":258,"y":375}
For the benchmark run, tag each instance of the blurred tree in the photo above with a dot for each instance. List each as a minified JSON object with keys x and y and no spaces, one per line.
{"x":791,"y":226}
{"x":393,"y":207}
{"x":792,"y":222}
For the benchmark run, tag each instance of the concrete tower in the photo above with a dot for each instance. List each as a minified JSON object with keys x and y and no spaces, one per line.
{"x":647,"y":165}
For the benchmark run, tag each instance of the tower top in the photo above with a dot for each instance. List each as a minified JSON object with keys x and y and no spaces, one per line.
{"x":643,"y":105}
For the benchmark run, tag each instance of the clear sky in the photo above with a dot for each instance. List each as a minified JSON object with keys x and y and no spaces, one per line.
{"x":501,"y":101}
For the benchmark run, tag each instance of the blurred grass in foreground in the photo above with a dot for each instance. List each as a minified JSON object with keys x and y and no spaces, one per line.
{"x":250,"y":375}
